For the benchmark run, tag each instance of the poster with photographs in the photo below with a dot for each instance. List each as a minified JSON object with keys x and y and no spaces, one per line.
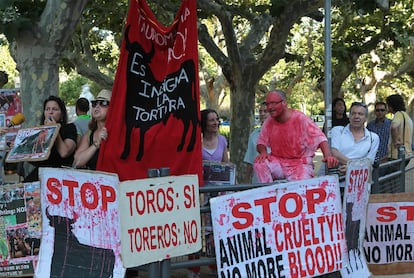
{"x":10,"y":105}
{"x":33,"y":144}
{"x":3,"y":145}
{"x":219,"y":173}
{"x":20,"y":229}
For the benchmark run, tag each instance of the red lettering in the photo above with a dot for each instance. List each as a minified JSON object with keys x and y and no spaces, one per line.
{"x":410,"y":212}
{"x":130,"y":232}
{"x":71,"y":185}
{"x":130,"y":195}
{"x":313,"y":197}
{"x":265,"y":204}
{"x":293,"y":265}
{"x":108,"y":196}
{"x":189,"y":196}
{"x":170,"y":199}
{"x":54,"y":186}
{"x":89,"y":196}
{"x":288,"y":235}
{"x":306,"y":232}
{"x":357,"y":179}
{"x":150,"y":200}
{"x":283,"y":206}
{"x":140,"y":195}
{"x":279,"y":244}
{"x":153,"y":237}
{"x":388,"y":214}
{"x":238,"y":211}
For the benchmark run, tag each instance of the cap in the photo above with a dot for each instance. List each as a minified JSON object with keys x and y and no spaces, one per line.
{"x":104,"y":95}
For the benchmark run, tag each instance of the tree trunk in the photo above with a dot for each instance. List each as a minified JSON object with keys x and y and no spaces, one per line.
{"x":37,"y":52}
{"x":242,"y":100}
{"x":39,"y":79}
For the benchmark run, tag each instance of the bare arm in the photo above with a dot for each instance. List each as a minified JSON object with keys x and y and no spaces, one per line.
{"x":84,"y":152}
{"x":341,"y":158}
{"x":263,"y":155}
{"x":225,"y":156}
{"x":65,"y":147}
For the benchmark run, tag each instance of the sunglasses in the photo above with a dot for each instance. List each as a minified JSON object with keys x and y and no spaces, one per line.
{"x":380,"y":110}
{"x":101,"y":103}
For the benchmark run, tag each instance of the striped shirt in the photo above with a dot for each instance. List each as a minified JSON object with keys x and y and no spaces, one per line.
{"x":383,"y":129}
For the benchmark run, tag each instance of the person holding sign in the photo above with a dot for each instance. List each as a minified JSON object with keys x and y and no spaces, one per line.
{"x":293,"y":139}
{"x":87,"y":153}
{"x":354,"y":140}
{"x":54,"y":112}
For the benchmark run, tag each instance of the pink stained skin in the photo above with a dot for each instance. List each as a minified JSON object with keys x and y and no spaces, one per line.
{"x":293,"y":139}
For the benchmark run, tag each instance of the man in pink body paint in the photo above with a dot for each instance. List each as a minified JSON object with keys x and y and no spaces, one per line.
{"x":293,"y":139}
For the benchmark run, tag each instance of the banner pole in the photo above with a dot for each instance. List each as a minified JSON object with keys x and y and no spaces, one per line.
{"x":165,"y":264}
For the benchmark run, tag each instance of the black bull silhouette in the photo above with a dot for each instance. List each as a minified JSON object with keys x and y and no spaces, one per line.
{"x":74,"y":259}
{"x":149,"y":101}
{"x":352,"y":235}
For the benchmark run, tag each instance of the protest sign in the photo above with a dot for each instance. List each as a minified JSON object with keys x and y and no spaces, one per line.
{"x":214,"y":173}
{"x":160,"y":219}
{"x":33,"y":144}
{"x":3,"y":145}
{"x":155,"y":104}
{"x":20,"y":229}
{"x":284,"y":230}
{"x":357,"y":189}
{"x":80,"y":231}
{"x":10,"y":105}
{"x":389,"y":238}
{"x":219,"y":173}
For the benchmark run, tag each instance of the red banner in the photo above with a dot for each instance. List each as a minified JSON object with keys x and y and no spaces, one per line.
{"x":153,"y":118}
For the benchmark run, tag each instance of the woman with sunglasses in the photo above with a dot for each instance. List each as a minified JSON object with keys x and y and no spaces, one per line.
{"x":54,"y":112}
{"x":86,"y":155}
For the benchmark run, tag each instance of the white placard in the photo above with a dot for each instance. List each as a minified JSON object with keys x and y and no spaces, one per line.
{"x":80,"y":227}
{"x":160,"y":219}
{"x":284,"y":230}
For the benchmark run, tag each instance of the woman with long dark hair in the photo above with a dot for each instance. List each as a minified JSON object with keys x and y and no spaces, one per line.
{"x":54,"y":112}
{"x":339,"y":116}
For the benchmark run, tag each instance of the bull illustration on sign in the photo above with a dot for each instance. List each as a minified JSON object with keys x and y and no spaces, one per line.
{"x":74,"y":259}
{"x":150,"y":101}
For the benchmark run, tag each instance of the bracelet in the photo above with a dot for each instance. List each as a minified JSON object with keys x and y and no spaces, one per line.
{"x":95,"y":144}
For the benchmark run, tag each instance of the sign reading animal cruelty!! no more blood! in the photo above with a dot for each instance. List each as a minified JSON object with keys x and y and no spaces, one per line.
{"x":80,"y":227}
{"x":160,"y":219}
{"x":286,"y":230}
